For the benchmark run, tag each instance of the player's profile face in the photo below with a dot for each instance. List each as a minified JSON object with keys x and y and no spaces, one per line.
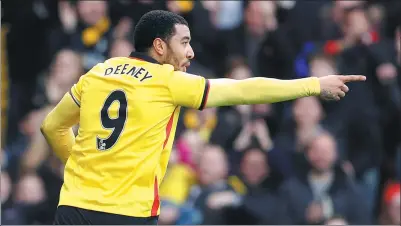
{"x":180,"y":51}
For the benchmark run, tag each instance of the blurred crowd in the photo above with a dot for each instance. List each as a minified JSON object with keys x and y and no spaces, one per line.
{"x":297,"y":162}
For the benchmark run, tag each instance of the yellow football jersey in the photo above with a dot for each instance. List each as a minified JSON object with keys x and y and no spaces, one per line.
{"x":129,"y":109}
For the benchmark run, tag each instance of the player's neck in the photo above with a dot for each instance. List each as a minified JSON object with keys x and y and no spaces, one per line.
{"x":155,"y":56}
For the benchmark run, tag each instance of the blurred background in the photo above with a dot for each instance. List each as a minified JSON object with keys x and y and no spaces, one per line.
{"x":299,"y":162}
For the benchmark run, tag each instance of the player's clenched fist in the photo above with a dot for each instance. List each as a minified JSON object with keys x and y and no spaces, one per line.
{"x":332,"y":87}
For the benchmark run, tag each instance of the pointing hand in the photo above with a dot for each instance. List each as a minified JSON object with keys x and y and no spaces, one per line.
{"x":332,"y":87}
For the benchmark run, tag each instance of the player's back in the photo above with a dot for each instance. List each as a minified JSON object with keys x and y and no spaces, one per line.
{"x":127,"y":126}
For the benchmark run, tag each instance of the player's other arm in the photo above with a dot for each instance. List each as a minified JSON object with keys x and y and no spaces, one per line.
{"x":196,"y":92}
{"x":57,"y":127}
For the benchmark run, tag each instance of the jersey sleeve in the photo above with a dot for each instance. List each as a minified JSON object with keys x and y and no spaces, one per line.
{"x":188,"y":90}
{"x":76,"y":91}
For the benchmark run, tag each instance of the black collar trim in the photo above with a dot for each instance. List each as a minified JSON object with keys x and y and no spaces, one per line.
{"x":143,"y":56}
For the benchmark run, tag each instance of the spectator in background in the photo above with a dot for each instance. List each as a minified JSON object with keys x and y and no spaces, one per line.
{"x":320,"y":64}
{"x":354,"y":142}
{"x":227,"y":18}
{"x":64,"y":71}
{"x":28,"y":203}
{"x":86,"y":28}
{"x":94,"y":31}
{"x":360,"y":143}
{"x":258,"y":186}
{"x":121,"y":48}
{"x":324,"y":190}
{"x":263,"y":40}
{"x":213,"y":195}
{"x":296,"y":133}
{"x":386,"y":84}
{"x":26,"y":44}
{"x":255,"y":131}
{"x":37,"y":150}
{"x":217,"y":32}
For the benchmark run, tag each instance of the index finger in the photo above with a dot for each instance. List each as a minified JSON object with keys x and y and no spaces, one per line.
{"x":352,"y":78}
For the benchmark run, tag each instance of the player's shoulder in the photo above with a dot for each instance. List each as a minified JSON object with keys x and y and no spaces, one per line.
{"x":166,"y":67}
{"x":98,"y":69}
{"x":159,"y":69}
{"x":181,"y":76}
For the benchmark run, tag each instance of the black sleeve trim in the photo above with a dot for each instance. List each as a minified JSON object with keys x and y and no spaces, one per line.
{"x":74,"y":99}
{"x":205,"y":95}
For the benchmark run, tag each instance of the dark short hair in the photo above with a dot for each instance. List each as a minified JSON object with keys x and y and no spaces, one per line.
{"x":155,"y":24}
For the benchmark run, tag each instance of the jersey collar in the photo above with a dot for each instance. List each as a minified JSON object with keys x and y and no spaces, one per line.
{"x":143,"y":56}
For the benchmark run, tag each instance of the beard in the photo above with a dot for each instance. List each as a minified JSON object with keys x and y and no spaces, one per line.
{"x":171,"y":58}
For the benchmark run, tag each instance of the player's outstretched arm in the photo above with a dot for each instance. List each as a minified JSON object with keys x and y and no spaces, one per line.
{"x":225,"y":92}
{"x":196,"y":92}
{"x":57,"y":127}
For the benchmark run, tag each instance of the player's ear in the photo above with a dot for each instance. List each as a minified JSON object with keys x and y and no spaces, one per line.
{"x":159,"y":45}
